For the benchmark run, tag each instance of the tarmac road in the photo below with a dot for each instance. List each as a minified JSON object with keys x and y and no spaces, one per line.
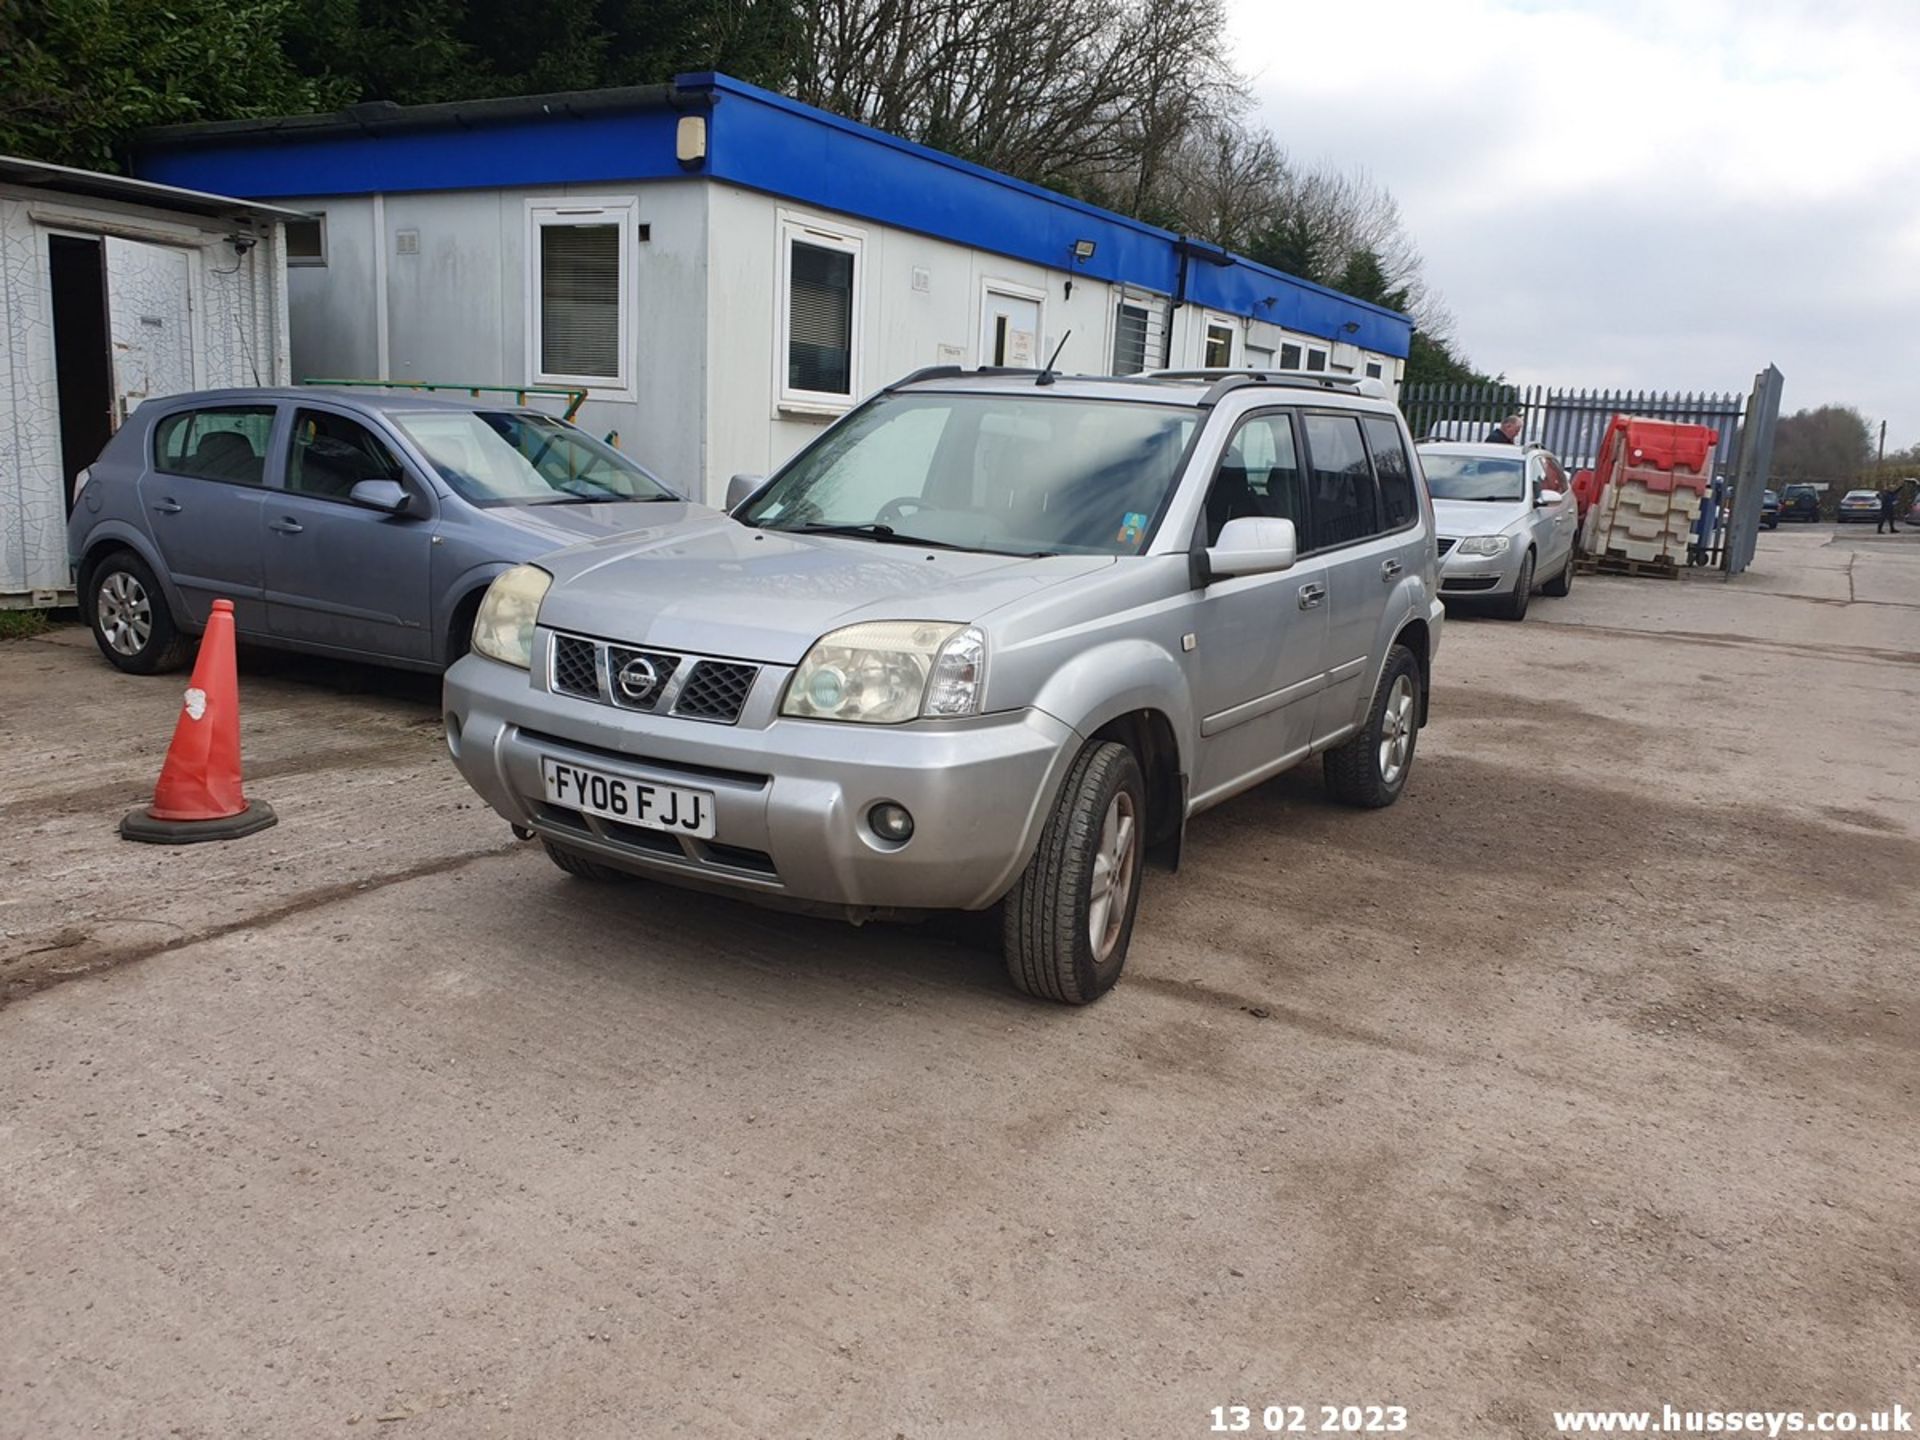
{"x":1586,"y":1076}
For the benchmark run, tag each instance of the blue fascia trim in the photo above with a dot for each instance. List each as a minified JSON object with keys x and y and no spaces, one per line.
{"x":777,"y":145}
{"x":548,"y":150}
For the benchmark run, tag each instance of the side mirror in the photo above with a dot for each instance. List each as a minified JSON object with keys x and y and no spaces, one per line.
{"x":388,"y":495}
{"x":741,"y":488}
{"x":1548,"y":497}
{"x":1253,"y":545}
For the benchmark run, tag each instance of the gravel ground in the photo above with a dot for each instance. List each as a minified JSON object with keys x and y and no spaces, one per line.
{"x":1586,"y":1076}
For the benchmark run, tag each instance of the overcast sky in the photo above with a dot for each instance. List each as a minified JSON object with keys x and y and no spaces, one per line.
{"x":1608,"y":192}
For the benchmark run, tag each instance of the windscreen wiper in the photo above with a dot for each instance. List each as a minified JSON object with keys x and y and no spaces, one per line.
{"x":874,"y":530}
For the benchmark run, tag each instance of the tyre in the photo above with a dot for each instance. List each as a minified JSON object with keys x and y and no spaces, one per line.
{"x":1514,"y":606}
{"x":1066,"y":923}
{"x":1561,"y":584}
{"x":578,"y":865}
{"x":127,"y":612}
{"x":1371,"y":769}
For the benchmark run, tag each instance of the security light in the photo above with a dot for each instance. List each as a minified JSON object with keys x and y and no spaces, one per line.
{"x":1083,"y":249}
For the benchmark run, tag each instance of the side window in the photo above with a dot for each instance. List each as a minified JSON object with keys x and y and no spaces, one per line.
{"x":1259,"y":475}
{"x":1289,"y":356}
{"x":1341,"y":492}
{"x":1556,"y":477}
{"x":331,"y":454}
{"x":1130,"y":339}
{"x":1397,"y":503}
{"x":228,"y":443}
{"x":820,"y":308}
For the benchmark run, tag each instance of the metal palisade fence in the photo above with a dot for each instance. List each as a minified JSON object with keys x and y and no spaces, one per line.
{"x":1571,"y":423}
{"x":1568,"y":422}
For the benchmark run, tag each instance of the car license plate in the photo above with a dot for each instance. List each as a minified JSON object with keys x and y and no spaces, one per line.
{"x":632,"y":802}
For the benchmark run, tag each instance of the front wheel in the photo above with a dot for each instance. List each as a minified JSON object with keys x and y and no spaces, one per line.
{"x":1068,"y":920}
{"x":1514,"y":606}
{"x":1371,"y":769}
{"x":580,"y":865}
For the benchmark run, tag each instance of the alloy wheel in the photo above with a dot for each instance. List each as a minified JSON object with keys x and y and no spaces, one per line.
{"x":124,"y":613}
{"x":1113,"y":871}
{"x":1396,"y":732}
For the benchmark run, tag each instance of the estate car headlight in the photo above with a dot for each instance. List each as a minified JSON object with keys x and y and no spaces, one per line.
{"x":889,"y":671}
{"x":503,"y":630}
{"x":1485,"y":545}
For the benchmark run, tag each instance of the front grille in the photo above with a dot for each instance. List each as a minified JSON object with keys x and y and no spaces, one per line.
{"x":573,"y":668}
{"x":715,"y":691}
{"x":655,"y":681}
{"x":1447,"y":542}
{"x":638,"y":678}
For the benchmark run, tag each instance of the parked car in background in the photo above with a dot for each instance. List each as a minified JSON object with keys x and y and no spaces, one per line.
{"x":1800,"y":502}
{"x":1505,"y":519}
{"x":1858,"y":505}
{"x":1770,"y":510}
{"x":984,"y":641}
{"x":338,"y":522}
{"x":1913,"y":510}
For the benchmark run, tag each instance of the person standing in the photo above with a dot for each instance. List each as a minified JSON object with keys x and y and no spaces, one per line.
{"x":1889,"y":500}
{"x":1507,"y":432}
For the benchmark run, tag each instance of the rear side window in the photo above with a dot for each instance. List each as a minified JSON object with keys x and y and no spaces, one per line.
{"x":1341,"y":499}
{"x":1393,"y":470}
{"x":227,"y":443}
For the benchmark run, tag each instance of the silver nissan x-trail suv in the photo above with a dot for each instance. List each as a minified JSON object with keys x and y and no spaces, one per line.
{"x":988,"y":640}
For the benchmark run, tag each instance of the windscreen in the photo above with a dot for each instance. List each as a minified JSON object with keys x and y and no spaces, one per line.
{"x":1011,"y":474}
{"x":1469,"y":477}
{"x":510,"y":457}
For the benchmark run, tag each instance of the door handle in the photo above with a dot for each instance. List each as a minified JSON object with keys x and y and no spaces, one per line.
{"x":1389,"y":569}
{"x":1312,"y":595}
{"x":167,"y":507}
{"x":287,"y":526}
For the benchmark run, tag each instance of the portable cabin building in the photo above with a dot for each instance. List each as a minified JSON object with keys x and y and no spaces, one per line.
{"x":721,"y":269}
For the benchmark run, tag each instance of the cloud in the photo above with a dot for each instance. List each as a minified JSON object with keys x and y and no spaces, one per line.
{"x":1649,"y":194}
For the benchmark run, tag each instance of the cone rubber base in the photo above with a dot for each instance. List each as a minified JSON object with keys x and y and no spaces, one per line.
{"x":138,"y":825}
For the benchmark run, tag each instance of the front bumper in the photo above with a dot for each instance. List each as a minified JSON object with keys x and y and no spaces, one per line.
{"x":1468,"y":577}
{"x":790,"y":796}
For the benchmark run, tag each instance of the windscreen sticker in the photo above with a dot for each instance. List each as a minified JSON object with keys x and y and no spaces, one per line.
{"x":1132,"y":526}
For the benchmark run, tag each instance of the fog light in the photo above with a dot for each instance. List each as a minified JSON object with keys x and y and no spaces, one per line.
{"x":891,"y":822}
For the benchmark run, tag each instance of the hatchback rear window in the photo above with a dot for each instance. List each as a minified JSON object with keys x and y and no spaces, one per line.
{"x":227,"y":443}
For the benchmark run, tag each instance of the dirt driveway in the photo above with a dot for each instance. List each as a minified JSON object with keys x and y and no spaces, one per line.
{"x":1587,"y":1076}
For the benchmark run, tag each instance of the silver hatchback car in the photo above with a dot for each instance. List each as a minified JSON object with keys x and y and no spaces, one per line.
{"x":341,"y":523}
{"x":988,"y":640}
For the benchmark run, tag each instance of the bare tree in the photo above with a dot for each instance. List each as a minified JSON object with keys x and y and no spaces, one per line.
{"x":1084,"y":95}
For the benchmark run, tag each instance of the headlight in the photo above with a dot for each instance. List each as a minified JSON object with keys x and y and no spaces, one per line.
{"x":890,"y":671}
{"x":503,"y":630}
{"x":1485,"y":545}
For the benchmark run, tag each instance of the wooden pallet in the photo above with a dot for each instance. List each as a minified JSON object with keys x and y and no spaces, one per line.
{"x":1621,"y":565}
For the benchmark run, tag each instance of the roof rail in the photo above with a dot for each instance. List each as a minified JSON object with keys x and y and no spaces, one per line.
{"x":1227,"y":381}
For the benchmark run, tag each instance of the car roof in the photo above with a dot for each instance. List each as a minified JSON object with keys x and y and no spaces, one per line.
{"x":379,"y":401}
{"x":1189,"y":388}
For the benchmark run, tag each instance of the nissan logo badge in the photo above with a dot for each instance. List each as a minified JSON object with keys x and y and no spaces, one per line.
{"x":638,"y":678}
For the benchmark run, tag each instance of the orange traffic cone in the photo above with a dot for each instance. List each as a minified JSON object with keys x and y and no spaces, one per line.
{"x":199,"y":795}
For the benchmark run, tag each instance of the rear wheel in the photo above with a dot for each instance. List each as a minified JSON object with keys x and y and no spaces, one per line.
{"x":1514,"y":606}
{"x":1561,"y":584}
{"x":1371,"y":769}
{"x":131,"y":622}
{"x":578,"y":865}
{"x":1068,"y":920}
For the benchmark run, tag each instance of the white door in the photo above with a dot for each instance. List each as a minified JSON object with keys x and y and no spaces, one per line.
{"x":1010,"y":329}
{"x":150,"y":320}
{"x":1219,"y":347}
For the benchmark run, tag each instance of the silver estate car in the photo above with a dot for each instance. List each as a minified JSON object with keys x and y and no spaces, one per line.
{"x":1507,"y":517}
{"x":987,"y":640}
{"x":338,"y":522}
